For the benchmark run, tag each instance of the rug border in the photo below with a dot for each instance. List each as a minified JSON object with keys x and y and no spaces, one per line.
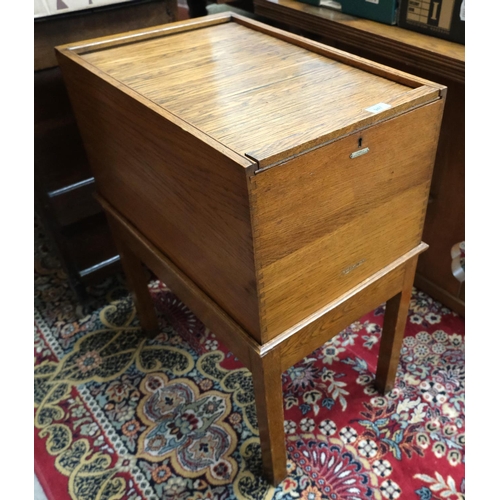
{"x":57,"y":487}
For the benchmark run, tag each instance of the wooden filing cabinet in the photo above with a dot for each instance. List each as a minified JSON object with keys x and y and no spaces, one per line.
{"x":428,"y":57}
{"x":276,"y":184}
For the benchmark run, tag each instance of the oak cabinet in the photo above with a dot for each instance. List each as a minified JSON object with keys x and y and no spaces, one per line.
{"x":277,"y":185}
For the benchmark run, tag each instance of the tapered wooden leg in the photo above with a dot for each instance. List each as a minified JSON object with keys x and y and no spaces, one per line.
{"x":138,"y":285}
{"x":396,"y":313}
{"x":269,"y":403}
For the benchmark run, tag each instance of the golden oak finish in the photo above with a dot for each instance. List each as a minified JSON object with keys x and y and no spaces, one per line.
{"x":175,"y":77}
{"x":269,"y":360}
{"x":340,"y":313}
{"x":396,"y":313}
{"x":276,"y":185}
{"x":297,"y":229}
{"x":137,"y":282}
{"x":428,"y":57}
{"x":206,"y":309}
{"x":268,"y":389}
{"x":213,"y":245}
{"x":186,"y":76}
{"x":131,"y":78}
{"x":78,"y":25}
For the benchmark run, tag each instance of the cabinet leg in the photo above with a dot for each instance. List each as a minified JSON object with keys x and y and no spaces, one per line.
{"x":396,"y":313}
{"x":138,"y":285}
{"x":269,"y":402}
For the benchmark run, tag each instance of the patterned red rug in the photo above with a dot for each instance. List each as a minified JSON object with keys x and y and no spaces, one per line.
{"x":121,"y":417}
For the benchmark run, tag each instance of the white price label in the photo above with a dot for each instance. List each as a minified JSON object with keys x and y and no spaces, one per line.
{"x":378,"y":108}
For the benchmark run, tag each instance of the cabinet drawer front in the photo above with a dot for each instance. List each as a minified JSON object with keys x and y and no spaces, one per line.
{"x":328,"y":219}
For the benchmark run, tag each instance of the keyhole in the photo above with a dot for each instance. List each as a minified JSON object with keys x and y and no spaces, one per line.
{"x":360,"y":142}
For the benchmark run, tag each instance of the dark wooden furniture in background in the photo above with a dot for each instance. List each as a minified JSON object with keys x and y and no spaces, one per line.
{"x":64,"y":185}
{"x":428,"y":57}
{"x":273,"y":183}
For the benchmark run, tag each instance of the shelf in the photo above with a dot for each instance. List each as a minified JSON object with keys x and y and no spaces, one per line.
{"x":407,"y":47}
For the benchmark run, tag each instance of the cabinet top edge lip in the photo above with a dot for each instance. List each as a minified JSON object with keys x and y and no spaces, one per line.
{"x":72,"y":53}
{"x":266,"y":159}
{"x":101,"y":43}
{"x":135,"y":36}
{"x":420,"y":92}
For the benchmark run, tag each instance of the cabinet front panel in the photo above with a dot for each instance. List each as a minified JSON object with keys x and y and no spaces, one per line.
{"x":328,"y":219}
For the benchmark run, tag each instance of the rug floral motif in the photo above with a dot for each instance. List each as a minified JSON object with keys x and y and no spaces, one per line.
{"x":120,"y":416}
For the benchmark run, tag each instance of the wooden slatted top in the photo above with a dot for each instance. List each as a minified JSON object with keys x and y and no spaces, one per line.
{"x":257,"y":94}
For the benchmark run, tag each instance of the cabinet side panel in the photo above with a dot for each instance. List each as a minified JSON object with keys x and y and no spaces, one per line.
{"x":324,"y":222}
{"x":186,"y":197}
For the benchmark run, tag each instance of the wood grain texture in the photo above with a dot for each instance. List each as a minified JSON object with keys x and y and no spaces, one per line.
{"x":310,"y":219}
{"x":268,"y":389}
{"x":211,"y":314}
{"x":395,"y":318}
{"x":311,"y":333}
{"x":61,"y":29}
{"x":428,"y":53}
{"x":266,"y":362}
{"x":324,"y":222}
{"x":137,"y":282}
{"x":348,"y":58}
{"x":277,"y":254}
{"x":274,"y":254}
{"x":140,"y":35}
{"x":185,"y":73}
{"x":187,"y":197}
{"x":427,"y":57}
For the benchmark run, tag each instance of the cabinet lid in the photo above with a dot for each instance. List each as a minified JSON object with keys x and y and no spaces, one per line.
{"x":261,"y":92}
